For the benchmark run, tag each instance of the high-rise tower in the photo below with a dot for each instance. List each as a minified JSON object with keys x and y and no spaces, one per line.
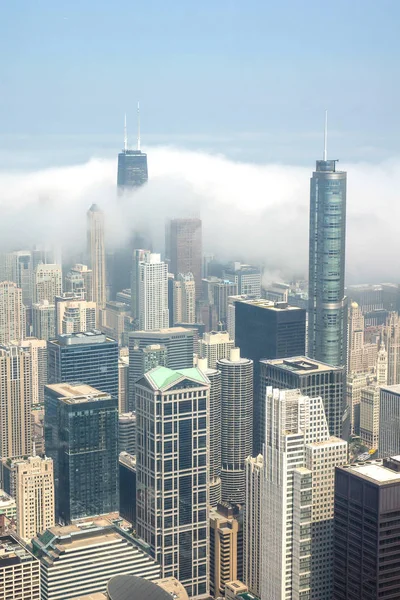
{"x":132,"y":164}
{"x":184,"y":248}
{"x":96,"y":253}
{"x":327,"y":320}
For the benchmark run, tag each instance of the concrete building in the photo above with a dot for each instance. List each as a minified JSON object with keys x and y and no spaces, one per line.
{"x":123,"y":381}
{"x":313,"y":378}
{"x":267,"y":330}
{"x":38,"y":353}
{"x":236,"y":423}
{"x":297,"y":535}
{"x":12,"y":313}
{"x":15,"y":401}
{"x":215,"y":345}
{"x":237,"y":590}
{"x":47,"y":283}
{"x":216,"y":292}
{"x":89,"y":357}
{"x":8,"y":506}
{"x":116,"y":321}
{"x":172,"y":409}
{"x":44,"y":320}
{"x":138,"y":256}
{"x":252,"y":525}
{"x":184,"y":301}
{"x":224,"y":530}
{"x":391,"y":339}
{"x":153,"y":294}
{"x":389,"y":417}
{"x":79,"y":281}
{"x":367,"y":505}
{"x":74,"y":315}
{"x":22,"y":274}
{"x":127,"y":487}
{"x":19,"y":571}
{"x":81,"y":426}
{"x":184,"y":248}
{"x":370,"y":403}
{"x":327,"y":309}
{"x":96,"y":254}
{"x":81,"y":558}
{"x":127,"y":432}
{"x":35,"y":496}
{"x":246,"y":277}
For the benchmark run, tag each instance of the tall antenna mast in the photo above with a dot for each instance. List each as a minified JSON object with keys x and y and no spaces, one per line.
{"x":138,"y":126}
{"x":125,"y":136}
{"x":326,"y":136}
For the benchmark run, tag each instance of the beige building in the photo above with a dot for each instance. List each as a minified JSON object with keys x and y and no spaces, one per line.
{"x":224,"y":530}
{"x":8,"y":506}
{"x":123,"y":380}
{"x":47,"y":282}
{"x":214,"y":346}
{"x":74,"y":315}
{"x":184,"y":299}
{"x":173,"y":587}
{"x":38,"y":352}
{"x":35,"y":496}
{"x":43,"y":320}
{"x":391,"y":339}
{"x":19,"y":571}
{"x":15,"y":402}
{"x":355,"y":383}
{"x":234,"y":589}
{"x":370,"y":403}
{"x":96,"y":253}
{"x":115,"y":320}
{"x":252,"y":528}
{"x":12,"y":313}
{"x":79,"y":281}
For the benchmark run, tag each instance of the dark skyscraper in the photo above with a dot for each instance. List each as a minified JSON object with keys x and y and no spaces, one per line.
{"x":184,"y":248}
{"x":132,"y":165}
{"x":327,"y":310}
{"x":265,"y":329}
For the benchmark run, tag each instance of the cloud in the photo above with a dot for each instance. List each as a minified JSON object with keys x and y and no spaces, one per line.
{"x":257,"y":213}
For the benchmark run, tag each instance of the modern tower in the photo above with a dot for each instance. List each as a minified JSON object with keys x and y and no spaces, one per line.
{"x":12,"y":313}
{"x":78,"y":281}
{"x":172,"y":442}
{"x":252,"y":524}
{"x":215,"y":345}
{"x":184,"y":301}
{"x":389,"y":418}
{"x":47,"y":282}
{"x":327,"y":309}
{"x":96,"y":253}
{"x":153,"y":294}
{"x":22,"y":274}
{"x":236,"y":423}
{"x":15,"y":402}
{"x":138,"y":256}
{"x":74,"y":314}
{"x":132,"y":164}
{"x":43,"y":320}
{"x":367,"y":530}
{"x":297,"y":520}
{"x":89,"y":357}
{"x":82,"y":430}
{"x":35,"y":496}
{"x":184,"y":248}
{"x":38,"y":365}
{"x":246,"y":277}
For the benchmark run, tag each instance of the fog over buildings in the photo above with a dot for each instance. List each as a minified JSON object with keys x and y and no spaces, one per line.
{"x":258,"y":213}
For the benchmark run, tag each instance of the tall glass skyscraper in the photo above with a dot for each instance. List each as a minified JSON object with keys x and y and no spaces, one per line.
{"x":132,"y":165}
{"x":327,"y":310}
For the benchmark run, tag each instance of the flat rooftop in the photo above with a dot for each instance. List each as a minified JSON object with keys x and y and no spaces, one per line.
{"x":94,"y":336}
{"x":157,"y":332}
{"x":302,"y":365}
{"x":374,"y":472}
{"x":12,"y":552}
{"x":395,"y":389}
{"x":78,"y":393}
{"x":270,"y":305}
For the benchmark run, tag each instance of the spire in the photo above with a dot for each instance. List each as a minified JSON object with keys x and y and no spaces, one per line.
{"x":138,"y":126}
{"x":326,"y":136}
{"x":125,"y":136}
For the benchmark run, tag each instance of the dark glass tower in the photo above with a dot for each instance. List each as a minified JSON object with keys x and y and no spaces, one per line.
{"x":132,"y":165}
{"x":327,"y":310}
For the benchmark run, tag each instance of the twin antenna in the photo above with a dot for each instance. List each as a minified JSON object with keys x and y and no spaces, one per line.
{"x":138,"y":131}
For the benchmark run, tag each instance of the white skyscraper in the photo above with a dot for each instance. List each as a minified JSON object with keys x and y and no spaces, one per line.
{"x":38,"y":365}
{"x":184,"y":299}
{"x":153,"y":294}
{"x":22,"y":274}
{"x":215,"y":345}
{"x":12,"y":313}
{"x":96,"y":254}
{"x":47,"y":283}
{"x":297,"y":535}
{"x":43,"y":320}
{"x":252,"y":524}
{"x":74,"y":315}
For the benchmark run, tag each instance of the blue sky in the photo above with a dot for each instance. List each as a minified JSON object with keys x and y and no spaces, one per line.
{"x":249,"y":79}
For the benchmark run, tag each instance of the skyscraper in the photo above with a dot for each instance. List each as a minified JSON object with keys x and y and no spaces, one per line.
{"x":236,"y":423}
{"x":297,"y":521}
{"x":82,"y":428}
{"x":88,"y":357}
{"x":138,"y":256}
{"x":132,"y":164}
{"x":15,"y":402}
{"x":184,"y":248}
{"x":78,"y":281}
{"x":47,"y":282}
{"x":246,"y":277}
{"x":19,"y":571}
{"x":215,"y":345}
{"x":327,"y":309}
{"x":12,"y":313}
{"x":96,"y":253}
{"x":35,"y":496}
{"x":172,"y":473}
{"x":74,"y":314}
{"x":252,"y":524}
{"x":184,"y":299}
{"x":389,"y":417}
{"x":391,"y":338}
{"x":38,"y":366}
{"x":43,"y":320}
{"x":366,"y":557}
{"x":153,"y":294}
{"x":22,"y":274}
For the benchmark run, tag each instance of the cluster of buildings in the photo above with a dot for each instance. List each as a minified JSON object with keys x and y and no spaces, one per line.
{"x":174,"y":428}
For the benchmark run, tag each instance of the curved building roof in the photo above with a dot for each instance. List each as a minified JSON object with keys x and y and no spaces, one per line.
{"x":130,"y":587}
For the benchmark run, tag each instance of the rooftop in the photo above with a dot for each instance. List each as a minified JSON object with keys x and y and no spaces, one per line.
{"x":75,"y":393}
{"x":374,"y":471}
{"x":157,"y":332}
{"x":12,"y":552}
{"x":395,"y":389}
{"x":94,"y":336}
{"x":270,"y":305}
{"x":162,"y":377}
{"x":301,"y":365}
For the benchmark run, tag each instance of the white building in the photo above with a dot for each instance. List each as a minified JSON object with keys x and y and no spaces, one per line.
{"x":153,"y":293}
{"x":38,"y":351}
{"x":370,"y":403}
{"x":389,"y":419}
{"x":79,"y":281}
{"x":252,"y":524}
{"x":35,"y":496}
{"x":74,"y":315}
{"x":297,"y":535}
{"x":47,"y":283}
{"x":96,"y":254}
{"x":19,"y":571}
{"x":43,"y":320}
{"x":12,"y":313}
{"x":215,"y":345}
{"x":184,"y":299}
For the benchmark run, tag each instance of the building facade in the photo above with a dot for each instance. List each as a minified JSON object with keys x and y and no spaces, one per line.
{"x":74,"y":315}
{"x":153,"y":294}
{"x":12,"y":313}
{"x":47,"y":282}
{"x":184,"y":248}
{"x":19,"y":571}
{"x":44,"y":320}
{"x":224,"y":533}
{"x":96,"y":253}
{"x":38,"y":362}
{"x":184,"y":299}
{"x":252,"y":525}
{"x":246,"y":277}
{"x":389,"y":417}
{"x":215,"y":345}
